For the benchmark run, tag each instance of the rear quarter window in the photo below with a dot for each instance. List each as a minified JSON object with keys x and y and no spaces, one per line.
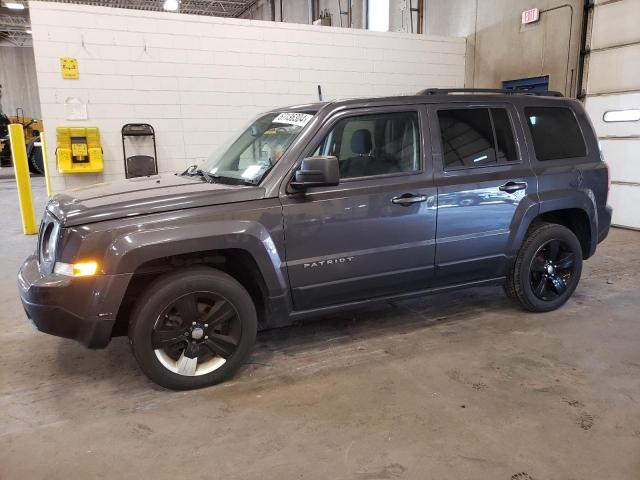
{"x":555,"y":132}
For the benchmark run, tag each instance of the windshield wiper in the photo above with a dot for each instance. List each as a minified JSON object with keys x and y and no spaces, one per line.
{"x":188,"y":170}
{"x":193,"y":171}
{"x":206,"y":176}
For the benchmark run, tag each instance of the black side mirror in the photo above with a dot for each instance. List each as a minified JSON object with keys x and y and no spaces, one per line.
{"x":317,"y":172}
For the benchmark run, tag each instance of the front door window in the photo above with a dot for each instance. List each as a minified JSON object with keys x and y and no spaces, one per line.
{"x":371,"y":145}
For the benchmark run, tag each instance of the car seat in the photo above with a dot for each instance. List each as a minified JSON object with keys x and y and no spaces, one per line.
{"x":365,"y":162}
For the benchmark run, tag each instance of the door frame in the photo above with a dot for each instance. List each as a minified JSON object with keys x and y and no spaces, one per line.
{"x":425,"y":150}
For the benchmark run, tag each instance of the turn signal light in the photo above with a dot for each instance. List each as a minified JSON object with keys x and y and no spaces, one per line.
{"x":80,"y":269}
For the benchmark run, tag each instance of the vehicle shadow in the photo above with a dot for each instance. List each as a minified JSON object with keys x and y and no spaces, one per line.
{"x":359,"y":332}
{"x":113,"y":381}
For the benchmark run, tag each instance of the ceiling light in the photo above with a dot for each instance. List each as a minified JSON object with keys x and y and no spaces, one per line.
{"x":622,"y":115}
{"x":170,"y":5}
{"x":14,"y":5}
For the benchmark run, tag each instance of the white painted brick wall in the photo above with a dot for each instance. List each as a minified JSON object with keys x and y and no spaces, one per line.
{"x":197,"y":79}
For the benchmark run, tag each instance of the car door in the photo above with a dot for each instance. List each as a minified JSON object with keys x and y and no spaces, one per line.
{"x":484,"y":183}
{"x":373,"y":234}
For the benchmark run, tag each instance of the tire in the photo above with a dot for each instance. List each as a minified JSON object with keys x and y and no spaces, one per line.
{"x":162,"y":306}
{"x":5,"y":155}
{"x":36,"y":160}
{"x":539,"y":282}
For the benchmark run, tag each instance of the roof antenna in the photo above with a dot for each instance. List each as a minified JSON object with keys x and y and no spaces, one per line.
{"x":319,"y":93}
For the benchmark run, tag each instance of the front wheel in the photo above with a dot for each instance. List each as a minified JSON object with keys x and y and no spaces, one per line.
{"x":193,"y":328}
{"x":547,"y":269}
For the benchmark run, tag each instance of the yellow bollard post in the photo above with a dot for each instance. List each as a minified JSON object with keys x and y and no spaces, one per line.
{"x":45,"y":160}
{"x":19,"y":154}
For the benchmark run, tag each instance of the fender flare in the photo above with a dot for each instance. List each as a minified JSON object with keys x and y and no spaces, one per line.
{"x":551,"y":201}
{"x":528,"y":209}
{"x":131,"y":250}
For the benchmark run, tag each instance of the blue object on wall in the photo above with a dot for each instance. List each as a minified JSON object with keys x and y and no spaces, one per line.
{"x":536,"y":84}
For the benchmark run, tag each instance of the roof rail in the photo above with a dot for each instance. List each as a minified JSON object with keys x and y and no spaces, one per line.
{"x":504,"y":91}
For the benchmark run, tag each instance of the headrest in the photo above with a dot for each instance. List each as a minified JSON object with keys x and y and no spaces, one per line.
{"x":361,"y":142}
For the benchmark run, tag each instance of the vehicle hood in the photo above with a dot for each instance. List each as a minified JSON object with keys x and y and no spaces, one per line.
{"x":144,"y":195}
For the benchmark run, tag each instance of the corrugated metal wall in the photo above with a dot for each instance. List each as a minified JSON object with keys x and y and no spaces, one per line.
{"x":18,"y":80}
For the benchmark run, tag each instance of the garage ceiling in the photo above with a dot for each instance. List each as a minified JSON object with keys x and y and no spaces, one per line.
{"x":14,"y":23}
{"x":13,"y":27}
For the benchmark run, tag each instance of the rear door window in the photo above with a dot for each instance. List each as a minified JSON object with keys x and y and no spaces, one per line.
{"x":506,"y":145}
{"x":555,"y":132}
{"x":476,"y":137}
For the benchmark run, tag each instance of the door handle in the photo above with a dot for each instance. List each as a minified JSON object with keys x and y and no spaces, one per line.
{"x":408,"y":199}
{"x":511,"y":187}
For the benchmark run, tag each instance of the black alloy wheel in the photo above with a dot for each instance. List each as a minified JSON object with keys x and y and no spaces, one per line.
{"x":192,"y":328}
{"x":547,"y":269}
{"x":196,"y":333}
{"x":552,"y":270}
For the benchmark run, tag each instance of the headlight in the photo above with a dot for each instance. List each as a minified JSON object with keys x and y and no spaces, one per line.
{"x":79,"y":269}
{"x":48,"y":240}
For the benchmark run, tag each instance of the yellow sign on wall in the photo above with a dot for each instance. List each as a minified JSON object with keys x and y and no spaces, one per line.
{"x":79,"y":149}
{"x":69,"y":68}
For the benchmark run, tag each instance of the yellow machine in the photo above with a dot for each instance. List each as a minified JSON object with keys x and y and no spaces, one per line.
{"x":32,"y":129}
{"x":79,"y":150}
{"x":32,"y":126}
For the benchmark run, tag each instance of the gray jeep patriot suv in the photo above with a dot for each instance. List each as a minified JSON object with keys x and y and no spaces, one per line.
{"x":322,"y":207}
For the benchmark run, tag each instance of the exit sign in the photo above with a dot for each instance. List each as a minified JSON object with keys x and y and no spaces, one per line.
{"x":530,"y":16}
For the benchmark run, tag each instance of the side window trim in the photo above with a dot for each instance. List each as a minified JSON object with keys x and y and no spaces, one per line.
{"x":495,"y":135}
{"x":330,"y":122}
{"x":513,"y":120}
{"x":489,"y":108}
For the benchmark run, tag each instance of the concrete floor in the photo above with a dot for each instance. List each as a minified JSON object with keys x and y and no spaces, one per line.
{"x":461,"y":386}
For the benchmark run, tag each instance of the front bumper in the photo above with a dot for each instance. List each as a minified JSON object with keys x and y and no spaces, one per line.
{"x":83,"y":309}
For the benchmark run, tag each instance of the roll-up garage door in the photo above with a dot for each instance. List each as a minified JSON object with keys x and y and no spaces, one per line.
{"x":612,"y":74}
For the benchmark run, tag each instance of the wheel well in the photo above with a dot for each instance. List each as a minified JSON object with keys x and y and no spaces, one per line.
{"x":235,"y":262}
{"x":576,"y":220}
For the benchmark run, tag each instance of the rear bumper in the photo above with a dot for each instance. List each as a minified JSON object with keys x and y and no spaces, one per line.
{"x":604,"y":223}
{"x":83,"y":309}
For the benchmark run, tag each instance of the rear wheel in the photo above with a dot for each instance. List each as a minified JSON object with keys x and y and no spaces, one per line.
{"x":547,"y":269}
{"x":193,"y":328}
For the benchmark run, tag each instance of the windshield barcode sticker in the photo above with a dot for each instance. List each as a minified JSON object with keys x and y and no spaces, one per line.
{"x":293,"y":118}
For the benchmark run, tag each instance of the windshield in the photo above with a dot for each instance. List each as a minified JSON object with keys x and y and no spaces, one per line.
{"x":248,"y":157}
